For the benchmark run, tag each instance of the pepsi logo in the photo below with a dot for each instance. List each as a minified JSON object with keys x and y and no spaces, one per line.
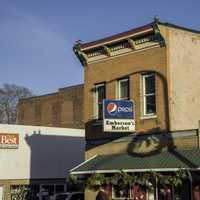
{"x":112,"y":108}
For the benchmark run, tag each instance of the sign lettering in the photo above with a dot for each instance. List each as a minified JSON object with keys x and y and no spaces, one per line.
{"x":118,"y":116}
{"x":9,"y":140}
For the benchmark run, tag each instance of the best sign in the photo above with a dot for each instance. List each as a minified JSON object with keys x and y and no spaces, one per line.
{"x":9,"y":140}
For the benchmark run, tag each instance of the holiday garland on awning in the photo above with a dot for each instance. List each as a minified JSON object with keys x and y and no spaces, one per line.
{"x":124,"y":179}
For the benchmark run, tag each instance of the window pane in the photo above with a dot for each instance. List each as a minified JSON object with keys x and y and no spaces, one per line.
{"x":138,"y":192}
{"x":149,"y":84}
{"x":119,"y":192}
{"x":165,"y":193}
{"x":182,"y":192}
{"x":151,"y":191}
{"x":124,"y":89}
{"x":100,"y":111}
{"x":150,"y":104}
{"x":101,"y":93}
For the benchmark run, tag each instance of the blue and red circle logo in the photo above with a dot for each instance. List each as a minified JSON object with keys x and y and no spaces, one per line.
{"x":112,"y":108}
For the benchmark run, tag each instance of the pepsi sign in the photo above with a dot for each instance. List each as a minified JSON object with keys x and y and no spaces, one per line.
{"x":118,"y":116}
{"x":118,"y":109}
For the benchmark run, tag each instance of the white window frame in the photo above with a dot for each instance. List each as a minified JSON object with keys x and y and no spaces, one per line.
{"x":144,"y":95}
{"x":119,"y":89}
{"x":96,"y":104}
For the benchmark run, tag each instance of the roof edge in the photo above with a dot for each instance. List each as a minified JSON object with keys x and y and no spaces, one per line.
{"x":178,"y":27}
{"x":132,"y":170}
{"x":53,"y":93}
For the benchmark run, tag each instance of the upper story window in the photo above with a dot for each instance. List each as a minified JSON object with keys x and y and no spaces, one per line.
{"x":149,"y":94}
{"x":123,"y":86}
{"x":100,"y":95}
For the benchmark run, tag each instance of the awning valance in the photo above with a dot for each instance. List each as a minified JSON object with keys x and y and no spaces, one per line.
{"x":164,"y":161}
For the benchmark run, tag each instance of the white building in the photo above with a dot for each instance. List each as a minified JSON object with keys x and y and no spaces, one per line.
{"x":39,"y":157}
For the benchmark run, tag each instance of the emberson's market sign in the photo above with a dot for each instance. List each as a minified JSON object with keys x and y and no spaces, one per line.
{"x":9,"y":141}
{"x":118,"y":116}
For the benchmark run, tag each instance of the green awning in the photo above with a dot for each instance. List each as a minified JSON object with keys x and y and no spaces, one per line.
{"x":163,"y":161}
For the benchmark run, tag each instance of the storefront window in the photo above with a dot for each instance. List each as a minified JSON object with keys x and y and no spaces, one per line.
{"x":138,"y":192}
{"x":151,"y":191}
{"x":121,"y":193}
{"x":165,"y":192}
{"x":196,"y":190}
{"x":182,"y":192}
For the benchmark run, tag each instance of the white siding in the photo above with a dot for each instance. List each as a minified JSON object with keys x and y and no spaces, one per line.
{"x":43,"y":152}
{"x":184,"y":72}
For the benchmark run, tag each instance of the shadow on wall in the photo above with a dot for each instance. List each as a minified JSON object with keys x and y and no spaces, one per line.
{"x":94,"y":128}
{"x":52,"y":156}
{"x":153,"y":144}
{"x":95,"y":135}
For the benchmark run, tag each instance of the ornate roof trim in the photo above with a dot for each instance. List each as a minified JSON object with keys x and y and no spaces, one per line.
{"x":115,"y":38}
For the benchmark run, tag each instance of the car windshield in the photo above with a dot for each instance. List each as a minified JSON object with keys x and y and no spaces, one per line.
{"x":61,"y":196}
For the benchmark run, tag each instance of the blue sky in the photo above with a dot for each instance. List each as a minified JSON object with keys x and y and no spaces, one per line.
{"x":37,"y":36}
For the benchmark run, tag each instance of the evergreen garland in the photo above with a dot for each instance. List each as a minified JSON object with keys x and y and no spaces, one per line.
{"x":124,"y":179}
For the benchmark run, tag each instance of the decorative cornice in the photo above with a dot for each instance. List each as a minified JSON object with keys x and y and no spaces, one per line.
{"x":158,"y":36}
{"x":136,"y":39}
{"x":107,"y":50}
{"x":133,"y":40}
{"x":132,"y":43}
{"x":80,"y":54}
{"x":118,"y":37}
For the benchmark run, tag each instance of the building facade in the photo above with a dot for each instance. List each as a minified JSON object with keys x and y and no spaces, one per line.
{"x":37,"y":159}
{"x":61,"y":109}
{"x":157,"y":67}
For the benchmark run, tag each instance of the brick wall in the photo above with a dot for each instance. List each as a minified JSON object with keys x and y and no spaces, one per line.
{"x":61,"y":109}
{"x":128,"y":65}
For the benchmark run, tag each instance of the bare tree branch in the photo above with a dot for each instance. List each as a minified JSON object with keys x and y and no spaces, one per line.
{"x":9,"y":98}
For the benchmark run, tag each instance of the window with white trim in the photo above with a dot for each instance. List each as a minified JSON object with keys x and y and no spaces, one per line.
{"x":148,"y":94}
{"x":100,"y":95}
{"x":123,"y":89}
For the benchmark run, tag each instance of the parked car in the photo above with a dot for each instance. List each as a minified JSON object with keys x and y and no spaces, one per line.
{"x":68,"y":196}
